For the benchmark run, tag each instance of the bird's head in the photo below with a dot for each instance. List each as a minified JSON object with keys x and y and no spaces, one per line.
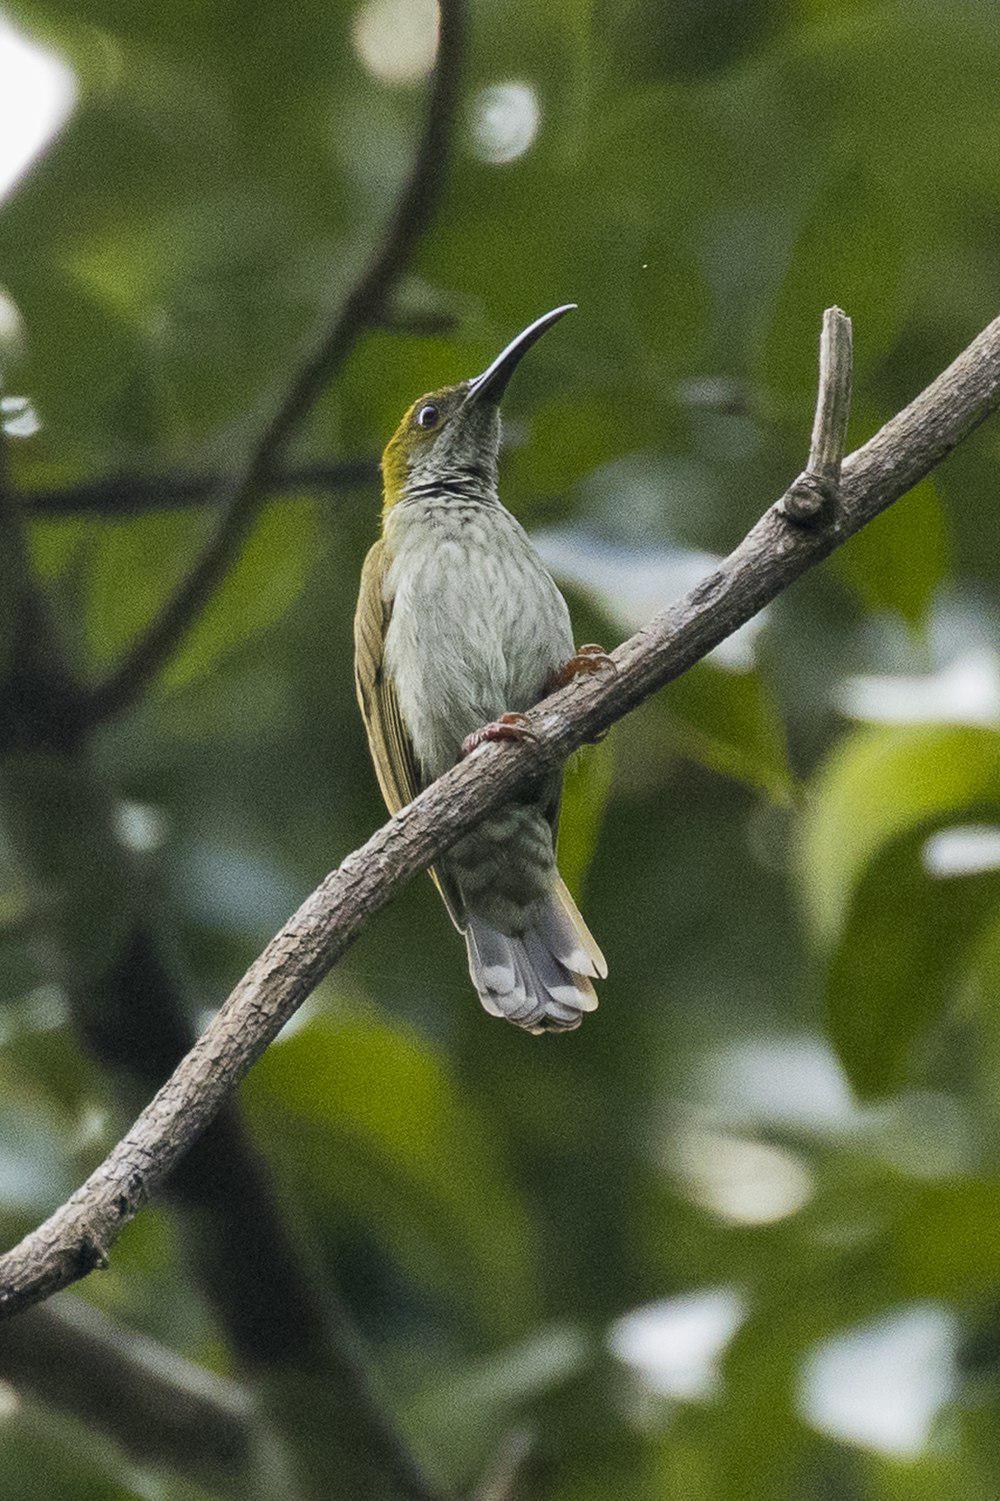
{"x":450,"y":439}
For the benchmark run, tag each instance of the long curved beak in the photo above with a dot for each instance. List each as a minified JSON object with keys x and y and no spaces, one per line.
{"x":491,"y":385}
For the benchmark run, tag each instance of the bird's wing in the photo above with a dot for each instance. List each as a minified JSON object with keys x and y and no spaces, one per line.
{"x":392,"y":752}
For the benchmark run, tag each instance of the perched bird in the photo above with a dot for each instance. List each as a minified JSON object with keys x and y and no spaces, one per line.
{"x":459,"y":629}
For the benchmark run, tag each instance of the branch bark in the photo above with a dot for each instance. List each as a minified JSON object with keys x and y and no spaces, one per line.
{"x":367,"y":303}
{"x":818,"y":487}
{"x":775,"y":552}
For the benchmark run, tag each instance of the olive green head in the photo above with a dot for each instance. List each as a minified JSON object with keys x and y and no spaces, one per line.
{"x":450,"y":439}
{"x":442,"y":440}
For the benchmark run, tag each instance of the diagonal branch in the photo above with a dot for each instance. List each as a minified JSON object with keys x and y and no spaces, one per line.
{"x":773,"y":554}
{"x":366,"y":304}
{"x":123,"y":495}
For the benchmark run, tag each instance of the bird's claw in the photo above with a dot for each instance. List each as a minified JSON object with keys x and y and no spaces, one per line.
{"x":586,"y":659}
{"x":507,"y":727}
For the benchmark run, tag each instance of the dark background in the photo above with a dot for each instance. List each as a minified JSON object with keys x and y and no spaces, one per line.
{"x":784,"y":1117}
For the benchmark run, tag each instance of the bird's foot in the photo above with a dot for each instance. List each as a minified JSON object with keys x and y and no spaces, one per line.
{"x":586,"y":659}
{"x":507,"y":727}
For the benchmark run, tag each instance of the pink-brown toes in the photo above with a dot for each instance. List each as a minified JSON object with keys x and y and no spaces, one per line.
{"x":596,"y":658}
{"x":586,"y":659}
{"x":507,"y":727}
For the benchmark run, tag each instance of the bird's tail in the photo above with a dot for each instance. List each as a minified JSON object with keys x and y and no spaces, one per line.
{"x":542,"y":978}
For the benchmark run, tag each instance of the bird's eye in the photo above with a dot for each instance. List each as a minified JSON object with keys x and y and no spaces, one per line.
{"x":428,"y":416}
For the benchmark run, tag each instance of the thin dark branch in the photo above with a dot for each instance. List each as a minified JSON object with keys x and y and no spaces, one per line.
{"x":148,"y":1400}
{"x":817,"y":489}
{"x":124,"y":495}
{"x":77,"y":1236}
{"x":364,"y":305}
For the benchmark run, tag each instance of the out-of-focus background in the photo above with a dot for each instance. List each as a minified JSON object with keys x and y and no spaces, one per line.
{"x":736,"y":1239}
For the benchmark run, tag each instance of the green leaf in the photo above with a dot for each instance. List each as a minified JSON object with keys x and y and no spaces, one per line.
{"x":946,"y":1240}
{"x":981,"y":1001}
{"x":728,"y":721}
{"x":899,"y":560}
{"x":877,"y":785}
{"x":87,"y":370}
{"x":131,"y":564}
{"x":857,"y":266}
{"x":586,"y":791}
{"x":465,"y":1414}
{"x":35,"y":1160}
{"x":39,"y":1053}
{"x":44,"y":1456}
{"x":899,"y":961}
{"x":56,"y":545}
{"x":371,"y":1120}
{"x":572,"y":434}
{"x":933,"y":1474}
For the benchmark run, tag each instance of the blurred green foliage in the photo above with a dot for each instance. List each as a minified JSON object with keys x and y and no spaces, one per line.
{"x":790,"y":1090}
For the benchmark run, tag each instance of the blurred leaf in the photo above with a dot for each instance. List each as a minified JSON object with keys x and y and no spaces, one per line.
{"x":848,"y":253}
{"x":35,"y":1170}
{"x":586,"y":790}
{"x":899,"y":960}
{"x":876,"y":785}
{"x":929,"y":1476}
{"x":691,"y":36}
{"x":573,"y":434}
{"x":983,"y":1003}
{"x":899,"y":560}
{"x":55,"y":545}
{"x":616,"y":1462}
{"x":53,"y":807}
{"x":42,"y":1457}
{"x":466,"y":1414}
{"x":41,"y":1055}
{"x":370,"y":1117}
{"x":729,"y":721}
{"x":87,"y":370}
{"x":946,"y":1240}
{"x":672,"y":303}
{"x":130,"y":563}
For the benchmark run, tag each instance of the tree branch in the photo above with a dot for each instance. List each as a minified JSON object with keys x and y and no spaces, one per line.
{"x":124,"y":495}
{"x":364,"y":306}
{"x":152,"y":1403}
{"x":774,"y":553}
{"x":817,"y":489}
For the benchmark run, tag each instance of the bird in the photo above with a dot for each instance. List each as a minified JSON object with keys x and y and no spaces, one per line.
{"x":460,"y":629}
